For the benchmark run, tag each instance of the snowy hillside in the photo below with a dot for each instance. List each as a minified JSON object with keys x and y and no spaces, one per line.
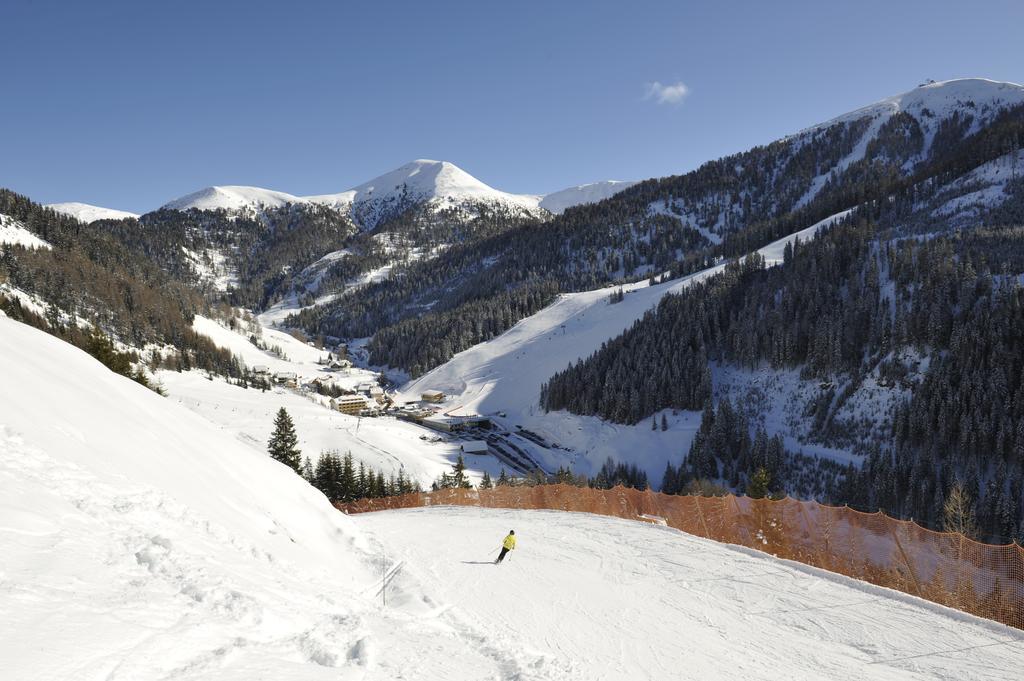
{"x":505,"y":374}
{"x":13,"y":232}
{"x":88,"y":213}
{"x":383,"y":443}
{"x":558,"y":202}
{"x":962,"y":201}
{"x":138,"y":541}
{"x":977,"y":100}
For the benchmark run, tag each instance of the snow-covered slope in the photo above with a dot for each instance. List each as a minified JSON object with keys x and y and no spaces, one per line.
{"x":138,"y":541}
{"x":13,"y":232}
{"x":960,"y":202}
{"x":558,"y":202}
{"x":936,"y":101}
{"x":383,"y":443}
{"x":88,"y":213}
{"x":588,"y":597}
{"x":506,"y":373}
{"x":232,"y":198}
{"x":931,"y":106}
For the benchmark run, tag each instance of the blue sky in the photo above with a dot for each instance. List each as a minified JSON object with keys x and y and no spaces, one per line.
{"x":130,"y":104}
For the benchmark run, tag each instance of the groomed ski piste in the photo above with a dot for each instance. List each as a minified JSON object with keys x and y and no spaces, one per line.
{"x":140,"y":541}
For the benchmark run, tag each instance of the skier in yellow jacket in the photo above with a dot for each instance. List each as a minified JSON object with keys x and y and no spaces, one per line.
{"x":507,"y":545}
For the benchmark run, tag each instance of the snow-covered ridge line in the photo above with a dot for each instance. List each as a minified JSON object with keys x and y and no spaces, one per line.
{"x":594,"y":192}
{"x":936,"y":100}
{"x":88,"y":213}
{"x":232,"y":197}
{"x":420,"y":181}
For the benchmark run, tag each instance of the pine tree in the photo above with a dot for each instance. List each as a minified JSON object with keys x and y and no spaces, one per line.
{"x":664,"y":423}
{"x":503,"y":480}
{"x":459,"y":478}
{"x":362,"y":486}
{"x":282,"y":444}
{"x":486,"y":483}
{"x":759,"y":483}
{"x":670,"y":480}
{"x":347,"y":479}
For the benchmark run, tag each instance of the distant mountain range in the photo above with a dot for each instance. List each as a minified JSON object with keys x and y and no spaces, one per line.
{"x":423,"y":181}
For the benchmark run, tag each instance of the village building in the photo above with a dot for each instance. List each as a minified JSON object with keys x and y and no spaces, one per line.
{"x":287,"y":378}
{"x":261,"y":370}
{"x":452,"y":424}
{"x":322,"y":383}
{"x":353,"y":405}
{"x":474,"y":447}
{"x":432,"y":396}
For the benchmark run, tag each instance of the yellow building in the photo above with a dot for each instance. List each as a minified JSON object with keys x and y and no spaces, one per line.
{"x":349,"y":404}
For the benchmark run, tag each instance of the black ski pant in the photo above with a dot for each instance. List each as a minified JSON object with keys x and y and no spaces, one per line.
{"x":501,"y":556}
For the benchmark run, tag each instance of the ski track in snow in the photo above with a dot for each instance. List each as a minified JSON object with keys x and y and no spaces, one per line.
{"x":592,"y":597}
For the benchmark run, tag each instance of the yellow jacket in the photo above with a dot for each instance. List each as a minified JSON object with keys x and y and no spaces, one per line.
{"x":510,"y":542}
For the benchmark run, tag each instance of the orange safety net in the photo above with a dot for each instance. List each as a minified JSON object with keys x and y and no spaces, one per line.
{"x":942,"y":567}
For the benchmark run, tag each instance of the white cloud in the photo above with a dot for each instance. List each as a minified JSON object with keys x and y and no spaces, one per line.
{"x":667,"y":94}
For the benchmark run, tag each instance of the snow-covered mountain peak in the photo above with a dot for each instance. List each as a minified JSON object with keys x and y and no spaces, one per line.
{"x":943,"y":96}
{"x":232,"y":198}
{"x":420,"y":182}
{"x":88,"y":213}
{"x":428,"y":179}
{"x":436,"y":179}
{"x":936,"y":101}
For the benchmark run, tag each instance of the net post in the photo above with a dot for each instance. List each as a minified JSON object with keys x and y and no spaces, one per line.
{"x":700,"y":514}
{"x":903,"y":554}
{"x":960,"y":572}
